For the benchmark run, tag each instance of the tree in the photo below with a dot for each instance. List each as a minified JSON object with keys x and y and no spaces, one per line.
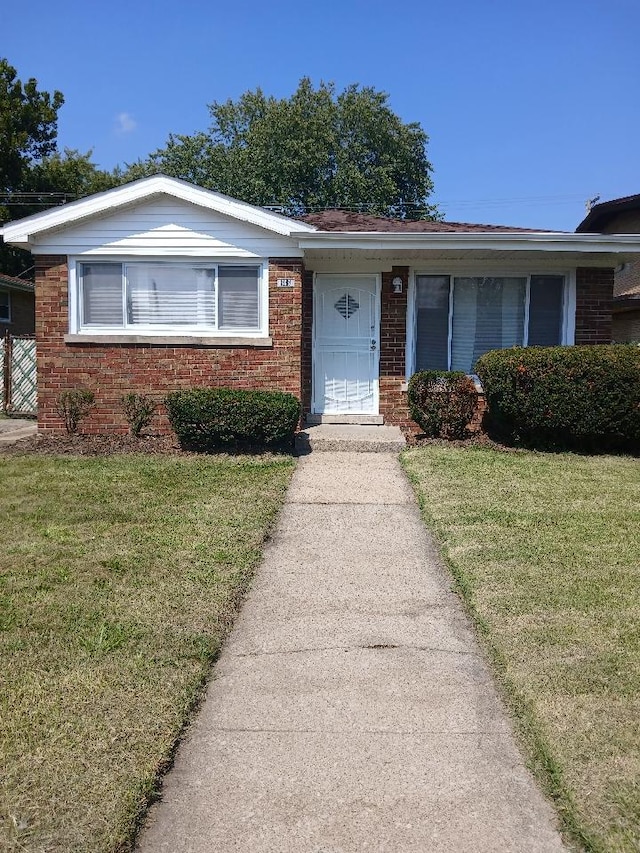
{"x":311,"y":151}
{"x":33,"y":175}
{"x":28,"y":125}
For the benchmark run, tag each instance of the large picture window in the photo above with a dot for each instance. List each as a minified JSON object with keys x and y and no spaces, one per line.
{"x":155,"y":297}
{"x":459,"y":318}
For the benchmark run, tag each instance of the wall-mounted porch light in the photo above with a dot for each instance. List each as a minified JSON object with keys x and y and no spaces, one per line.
{"x":397,"y":284}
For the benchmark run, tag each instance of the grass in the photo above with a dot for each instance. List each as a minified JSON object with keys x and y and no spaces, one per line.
{"x":545,"y":550}
{"x":119,"y":577}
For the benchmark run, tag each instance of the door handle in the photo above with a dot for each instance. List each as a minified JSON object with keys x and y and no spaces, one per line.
{"x":373,"y":344}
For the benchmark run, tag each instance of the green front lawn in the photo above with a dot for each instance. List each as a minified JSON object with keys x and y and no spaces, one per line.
{"x":118,"y":579}
{"x":545,"y":550}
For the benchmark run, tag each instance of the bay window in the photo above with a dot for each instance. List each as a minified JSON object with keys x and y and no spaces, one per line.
{"x":170,"y":297}
{"x":459,"y":318}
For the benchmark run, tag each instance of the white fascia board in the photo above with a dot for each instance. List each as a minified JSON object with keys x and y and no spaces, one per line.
{"x":530,"y":241}
{"x":22,"y":231}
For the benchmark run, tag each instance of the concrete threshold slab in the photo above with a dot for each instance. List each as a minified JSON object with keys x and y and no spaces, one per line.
{"x":314,"y":420}
{"x":350,"y":437}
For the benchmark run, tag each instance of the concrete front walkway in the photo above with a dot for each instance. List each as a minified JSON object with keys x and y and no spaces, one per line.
{"x":14,"y":429}
{"x":351,"y":709}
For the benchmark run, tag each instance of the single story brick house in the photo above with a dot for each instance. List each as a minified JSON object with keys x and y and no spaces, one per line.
{"x":160,"y":285}
{"x":17,"y":306}
{"x":620,"y":216}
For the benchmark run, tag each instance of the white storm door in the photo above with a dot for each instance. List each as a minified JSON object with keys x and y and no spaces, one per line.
{"x":346,"y":344}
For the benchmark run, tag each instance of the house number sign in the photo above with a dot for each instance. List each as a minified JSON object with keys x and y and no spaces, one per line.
{"x":286,"y":282}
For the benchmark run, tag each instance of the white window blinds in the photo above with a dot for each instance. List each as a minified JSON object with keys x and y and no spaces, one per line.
{"x":102,"y":295}
{"x":458,"y":319}
{"x":488,"y":313}
{"x":154,"y":296}
{"x":170,"y":295}
{"x":239,"y":297}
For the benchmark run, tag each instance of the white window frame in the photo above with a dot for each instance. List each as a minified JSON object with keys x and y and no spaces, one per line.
{"x":6,"y":319}
{"x":174,"y":330}
{"x":568,"y":303}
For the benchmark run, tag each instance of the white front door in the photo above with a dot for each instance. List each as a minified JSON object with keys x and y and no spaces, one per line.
{"x":346,"y":324}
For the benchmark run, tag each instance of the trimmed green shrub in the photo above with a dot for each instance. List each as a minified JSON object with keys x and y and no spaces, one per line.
{"x":211,"y":418}
{"x":138,"y":410}
{"x":442,"y":402}
{"x":584,"y":398}
{"x":72,"y":406}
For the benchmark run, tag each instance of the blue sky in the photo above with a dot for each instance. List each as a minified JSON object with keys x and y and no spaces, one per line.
{"x":531,"y":107}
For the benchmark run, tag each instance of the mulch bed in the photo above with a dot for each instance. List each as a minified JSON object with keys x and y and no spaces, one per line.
{"x":109,"y":444}
{"x":476,"y":439}
{"x":167,"y":445}
{"x":95,"y":445}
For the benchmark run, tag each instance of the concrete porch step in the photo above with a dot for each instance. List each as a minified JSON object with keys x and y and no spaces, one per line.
{"x":360,"y":438}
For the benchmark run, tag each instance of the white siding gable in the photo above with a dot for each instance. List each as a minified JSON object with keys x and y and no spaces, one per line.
{"x":165,"y":227}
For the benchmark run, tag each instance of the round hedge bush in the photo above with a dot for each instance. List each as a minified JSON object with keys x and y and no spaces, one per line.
{"x":584,"y":398}
{"x":442,"y":402}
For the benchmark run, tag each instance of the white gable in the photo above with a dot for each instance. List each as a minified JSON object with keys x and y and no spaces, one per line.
{"x":165,"y":226}
{"x":158,"y":214}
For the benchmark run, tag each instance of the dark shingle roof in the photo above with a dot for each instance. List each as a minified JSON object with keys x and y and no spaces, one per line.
{"x":12,"y":282}
{"x":600,"y":214}
{"x":346,"y":220}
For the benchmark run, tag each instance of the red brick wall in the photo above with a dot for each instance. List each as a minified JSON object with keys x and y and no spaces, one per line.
{"x":112,"y":370}
{"x":307,"y":340}
{"x":393,"y":342}
{"x":594,"y":303}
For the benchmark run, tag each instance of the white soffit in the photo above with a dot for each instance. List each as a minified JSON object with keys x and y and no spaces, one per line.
{"x":22,"y":231}
{"x":537,"y":241}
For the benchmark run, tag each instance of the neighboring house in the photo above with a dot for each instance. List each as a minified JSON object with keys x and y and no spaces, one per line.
{"x":160,"y":285}
{"x":620,"y":216}
{"x":17,"y":306}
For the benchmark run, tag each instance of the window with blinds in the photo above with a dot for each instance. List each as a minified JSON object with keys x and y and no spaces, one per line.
{"x":459,"y":318}
{"x":157,"y":296}
{"x":238,"y":297}
{"x":102,"y":303}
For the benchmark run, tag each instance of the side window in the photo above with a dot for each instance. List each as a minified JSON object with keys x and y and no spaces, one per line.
{"x":5,"y":306}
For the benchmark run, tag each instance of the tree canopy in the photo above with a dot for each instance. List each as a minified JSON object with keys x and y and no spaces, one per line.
{"x":28,"y":125}
{"x":33,"y":174}
{"x":314,"y":150}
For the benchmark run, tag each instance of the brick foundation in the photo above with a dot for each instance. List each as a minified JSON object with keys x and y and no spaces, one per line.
{"x":112,"y":370}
